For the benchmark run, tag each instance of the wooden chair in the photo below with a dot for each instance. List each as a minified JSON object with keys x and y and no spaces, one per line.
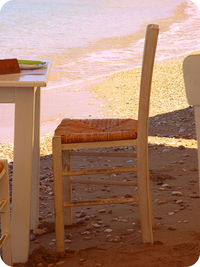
{"x":5,"y":239}
{"x":74,"y":134}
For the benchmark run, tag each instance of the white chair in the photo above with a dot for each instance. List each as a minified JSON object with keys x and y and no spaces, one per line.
{"x":95,"y":133}
{"x":191,"y":71}
{"x":5,"y":239}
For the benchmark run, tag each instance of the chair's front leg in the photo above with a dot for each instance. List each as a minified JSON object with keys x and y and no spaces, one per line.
{"x":58,"y":192}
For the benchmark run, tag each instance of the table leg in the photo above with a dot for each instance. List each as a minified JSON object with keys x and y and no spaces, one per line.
{"x":197,"y":122}
{"x":22,"y":175}
{"x":36,"y":164}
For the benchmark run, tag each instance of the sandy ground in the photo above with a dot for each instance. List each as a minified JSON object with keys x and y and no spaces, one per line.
{"x":110,"y":236}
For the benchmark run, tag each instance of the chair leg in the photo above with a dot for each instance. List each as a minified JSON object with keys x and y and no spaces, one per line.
{"x":145,"y":200}
{"x":5,"y":217}
{"x":68,"y":189}
{"x":58,"y":190}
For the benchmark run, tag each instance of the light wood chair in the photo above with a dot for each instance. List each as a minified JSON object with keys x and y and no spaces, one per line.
{"x":5,"y":239}
{"x":74,"y":134}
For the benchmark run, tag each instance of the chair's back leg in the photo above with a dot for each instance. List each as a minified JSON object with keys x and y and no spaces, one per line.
{"x":144,"y":191}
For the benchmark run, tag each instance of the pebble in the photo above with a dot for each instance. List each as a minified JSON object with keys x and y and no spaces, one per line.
{"x":182,"y":130}
{"x":81,"y":215}
{"x":116,"y":239}
{"x":180,"y":201}
{"x":166,"y":150}
{"x":171,"y":213}
{"x":60,"y":263}
{"x":130,"y":160}
{"x":108,"y":236}
{"x":85,"y":233}
{"x":96,"y":225}
{"x":165,"y":185}
{"x":171,"y":228}
{"x":160,"y":202}
{"x":108,"y":230}
{"x":82,"y":260}
{"x":128,"y":195}
{"x":68,"y":236}
{"x":158,"y":217}
{"x":39,"y":231}
{"x":68,"y":241}
{"x":102,"y":210}
{"x":32,"y":237}
{"x":176,"y":193}
{"x":87,"y":237}
{"x":161,"y":189}
{"x":181,"y":147}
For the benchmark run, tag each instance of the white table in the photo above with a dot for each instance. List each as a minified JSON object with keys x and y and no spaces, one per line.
{"x":191,"y":71}
{"x":23,"y":90}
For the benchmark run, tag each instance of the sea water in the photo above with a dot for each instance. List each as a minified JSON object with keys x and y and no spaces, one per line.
{"x":90,"y":39}
{"x":86,"y":39}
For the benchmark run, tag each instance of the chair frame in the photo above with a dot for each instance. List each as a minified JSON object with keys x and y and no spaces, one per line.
{"x":5,"y":239}
{"x":191,"y":65}
{"x":62,"y":156}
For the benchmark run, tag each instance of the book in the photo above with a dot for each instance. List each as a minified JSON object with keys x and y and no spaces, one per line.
{"x":9,"y":66}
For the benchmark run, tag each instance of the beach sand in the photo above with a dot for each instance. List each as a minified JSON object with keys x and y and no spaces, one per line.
{"x":110,"y":236}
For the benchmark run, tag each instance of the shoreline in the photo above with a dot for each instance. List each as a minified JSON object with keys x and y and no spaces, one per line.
{"x":165,"y":98}
{"x":66,"y":72}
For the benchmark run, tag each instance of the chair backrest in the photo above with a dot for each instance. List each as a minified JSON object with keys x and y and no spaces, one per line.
{"x":191,"y":71}
{"x":146,"y":78}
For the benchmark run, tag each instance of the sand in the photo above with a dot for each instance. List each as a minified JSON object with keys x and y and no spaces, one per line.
{"x":173,"y":168}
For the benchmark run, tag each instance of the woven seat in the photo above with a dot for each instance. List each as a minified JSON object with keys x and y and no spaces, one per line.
{"x":78,"y":131}
{"x":73,"y":135}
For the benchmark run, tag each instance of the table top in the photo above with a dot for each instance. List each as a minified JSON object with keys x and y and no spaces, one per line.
{"x":27,"y":78}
